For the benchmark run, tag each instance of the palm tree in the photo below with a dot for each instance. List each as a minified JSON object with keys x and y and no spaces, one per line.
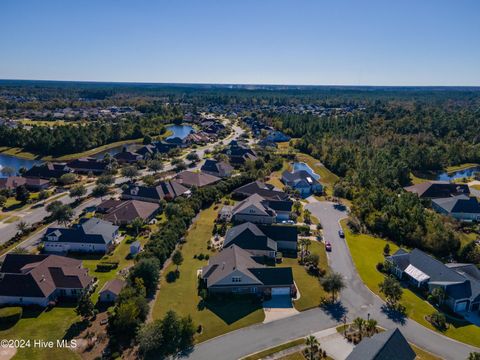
{"x":22,"y":227}
{"x":371,"y":326}
{"x":312,"y":352}
{"x":359,"y":324}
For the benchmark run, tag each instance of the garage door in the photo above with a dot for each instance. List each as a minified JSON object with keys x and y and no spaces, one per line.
{"x":461,"y":306}
{"x":281,"y":291}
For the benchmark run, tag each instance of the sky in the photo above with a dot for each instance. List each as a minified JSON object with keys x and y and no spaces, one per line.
{"x":310,"y":42}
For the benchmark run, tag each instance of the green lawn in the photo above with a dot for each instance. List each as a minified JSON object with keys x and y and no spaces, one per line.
{"x":50,"y":325}
{"x":460,"y":167}
{"x":273,"y":350}
{"x":417,"y":309}
{"x":310,"y":289}
{"x":295,"y":356}
{"x":218,"y":317}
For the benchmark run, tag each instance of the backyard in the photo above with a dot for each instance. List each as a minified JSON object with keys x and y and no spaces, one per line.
{"x":216,"y":317}
{"x":416,"y":307}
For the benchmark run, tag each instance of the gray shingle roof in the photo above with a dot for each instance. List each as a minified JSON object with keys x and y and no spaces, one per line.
{"x":387,"y":345}
{"x":459,"y":204}
{"x":93,"y":230}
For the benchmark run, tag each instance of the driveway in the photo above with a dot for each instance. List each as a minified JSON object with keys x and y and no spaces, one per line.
{"x":278,"y":307}
{"x":356,"y":300}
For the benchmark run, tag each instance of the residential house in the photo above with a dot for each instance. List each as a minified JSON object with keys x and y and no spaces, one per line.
{"x":262,"y":240}
{"x":216,"y":168}
{"x":197,"y":179}
{"x":48,"y":171}
{"x":460,"y":207}
{"x":157,"y":147}
{"x":27,"y":279}
{"x":110,"y":291}
{"x":89,"y":235}
{"x":239,"y":152}
{"x":34,"y":184}
{"x":438,"y":189}
{"x":386,"y":345}
{"x":234,"y":270}
{"x":259,"y":210}
{"x":302,"y":182}
{"x":267,"y":191}
{"x":89,"y":165}
{"x":123,"y":212}
{"x":127,"y":157}
{"x":460,"y":282}
{"x":165,"y":190}
{"x":277,"y":136}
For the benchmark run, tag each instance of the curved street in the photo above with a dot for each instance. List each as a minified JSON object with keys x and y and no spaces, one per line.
{"x":356,"y":300}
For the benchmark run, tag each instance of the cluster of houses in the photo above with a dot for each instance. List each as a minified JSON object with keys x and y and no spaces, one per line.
{"x":266,"y":134}
{"x":449,"y":199}
{"x":255,"y":238}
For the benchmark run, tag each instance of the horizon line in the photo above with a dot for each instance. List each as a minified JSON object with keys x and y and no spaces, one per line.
{"x":226,"y":84}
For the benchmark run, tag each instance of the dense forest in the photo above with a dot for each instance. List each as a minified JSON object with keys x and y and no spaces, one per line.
{"x":375,"y":151}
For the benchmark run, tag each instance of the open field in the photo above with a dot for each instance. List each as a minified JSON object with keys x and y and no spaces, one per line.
{"x":417,"y":308}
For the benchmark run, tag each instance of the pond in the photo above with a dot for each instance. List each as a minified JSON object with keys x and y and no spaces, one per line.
{"x":302,"y":166}
{"x":458,"y":174}
{"x":180,"y":131}
{"x":16,"y":162}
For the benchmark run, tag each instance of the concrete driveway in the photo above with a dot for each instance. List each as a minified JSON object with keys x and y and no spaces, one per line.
{"x":278,"y":307}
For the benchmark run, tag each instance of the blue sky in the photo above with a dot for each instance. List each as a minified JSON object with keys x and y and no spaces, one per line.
{"x":324,"y":42}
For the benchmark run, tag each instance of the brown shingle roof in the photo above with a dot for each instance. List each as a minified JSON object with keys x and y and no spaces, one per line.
{"x":114,"y":286}
{"x":125,"y":211}
{"x":198,"y":179}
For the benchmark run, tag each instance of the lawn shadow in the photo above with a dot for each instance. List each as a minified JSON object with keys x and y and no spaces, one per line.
{"x":232,"y":309}
{"x":394,"y":314}
{"x":75,"y":329}
{"x":335,"y":310}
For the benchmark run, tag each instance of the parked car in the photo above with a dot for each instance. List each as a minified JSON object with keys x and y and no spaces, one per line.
{"x":328,"y":246}
{"x":341,"y":233}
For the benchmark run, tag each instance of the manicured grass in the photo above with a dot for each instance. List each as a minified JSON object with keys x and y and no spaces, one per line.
{"x":417,"y":179}
{"x":50,"y":325}
{"x":295,"y":356}
{"x":476,"y":187}
{"x":18,"y":152}
{"x":460,"y":167}
{"x":217,"y":317}
{"x":309,"y":286}
{"x":360,"y":245}
{"x":273,"y":350}
{"x":423,"y":355}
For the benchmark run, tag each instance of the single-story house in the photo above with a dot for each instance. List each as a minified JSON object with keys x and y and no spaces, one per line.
{"x":460,"y":282}
{"x":89,"y":165}
{"x":89,"y":235}
{"x":167,"y":190}
{"x":277,"y":136}
{"x":123,"y":212}
{"x":302,"y":182}
{"x":234,"y":270}
{"x":35,"y":184}
{"x":48,"y":171}
{"x":239,"y":152}
{"x":438,"y":189}
{"x":127,"y":157}
{"x":262,"y":240}
{"x":197,"y":179}
{"x":460,"y":207}
{"x":110,"y":291}
{"x":386,"y":345}
{"x":259,"y":210}
{"x":219,"y":169}
{"x":38,"y":279}
{"x":267,"y":191}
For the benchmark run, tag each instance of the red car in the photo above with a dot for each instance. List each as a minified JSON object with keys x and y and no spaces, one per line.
{"x":328,"y":246}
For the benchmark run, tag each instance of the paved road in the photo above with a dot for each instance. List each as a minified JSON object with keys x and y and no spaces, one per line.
{"x":356,"y":299}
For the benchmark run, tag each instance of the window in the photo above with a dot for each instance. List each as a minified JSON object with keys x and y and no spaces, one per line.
{"x":236,"y":279}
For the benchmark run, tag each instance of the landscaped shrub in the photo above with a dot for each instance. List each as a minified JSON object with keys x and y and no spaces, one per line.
{"x":438,"y":320}
{"x":303,"y":230}
{"x":106,"y":266}
{"x":9,"y":316}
